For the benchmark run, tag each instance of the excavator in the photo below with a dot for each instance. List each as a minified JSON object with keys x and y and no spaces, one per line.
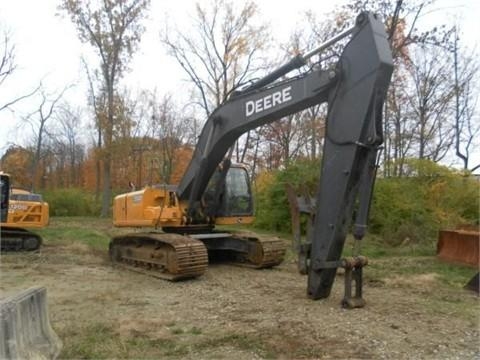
{"x":20,"y":210}
{"x":213,"y":191}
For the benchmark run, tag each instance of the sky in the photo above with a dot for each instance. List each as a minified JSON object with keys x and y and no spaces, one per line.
{"x":47,"y":49}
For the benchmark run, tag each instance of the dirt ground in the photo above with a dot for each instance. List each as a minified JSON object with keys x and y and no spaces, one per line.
{"x":239,"y":313}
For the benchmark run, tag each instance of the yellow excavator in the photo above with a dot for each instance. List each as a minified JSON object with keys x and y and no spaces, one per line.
{"x":182,"y":249}
{"x":213,"y":191}
{"x":20,"y":210}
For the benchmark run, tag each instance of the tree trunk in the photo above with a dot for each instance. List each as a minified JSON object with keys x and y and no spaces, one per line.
{"x":108,"y":138}
{"x":107,"y":192}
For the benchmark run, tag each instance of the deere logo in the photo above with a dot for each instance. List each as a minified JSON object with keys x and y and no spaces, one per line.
{"x":268,"y":102}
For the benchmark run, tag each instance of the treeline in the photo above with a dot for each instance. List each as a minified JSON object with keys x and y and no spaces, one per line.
{"x":135,"y":161}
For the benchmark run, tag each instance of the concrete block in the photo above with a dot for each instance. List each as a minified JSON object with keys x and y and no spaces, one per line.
{"x":25,"y":330}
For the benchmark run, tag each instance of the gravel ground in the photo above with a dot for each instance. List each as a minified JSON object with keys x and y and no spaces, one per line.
{"x":241,"y":313}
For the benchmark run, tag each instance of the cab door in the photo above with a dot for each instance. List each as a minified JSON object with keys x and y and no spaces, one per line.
{"x":236,"y":201}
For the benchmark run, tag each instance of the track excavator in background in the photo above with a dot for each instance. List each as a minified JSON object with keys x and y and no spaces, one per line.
{"x":20,"y":210}
{"x":213,"y":191}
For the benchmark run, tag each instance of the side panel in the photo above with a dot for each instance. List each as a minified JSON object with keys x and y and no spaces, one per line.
{"x":28,"y":214}
{"x":26,"y":210}
{"x":150,"y":207}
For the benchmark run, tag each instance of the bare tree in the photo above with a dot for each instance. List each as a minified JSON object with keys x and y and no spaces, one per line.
{"x":67,"y":140}
{"x":466,"y":97}
{"x":220,"y":51}
{"x":400,"y":129}
{"x":288,"y":136}
{"x":97,"y":102}
{"x":38,"y":120}
{"x":7,"y":68}
{"x":430,"y":98}
{"x":170,"y":129}
{"x":113,"y":28}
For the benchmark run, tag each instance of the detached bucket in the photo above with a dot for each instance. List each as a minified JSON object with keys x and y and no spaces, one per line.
{"x":25,"y":331}
{"x":461,"y":247}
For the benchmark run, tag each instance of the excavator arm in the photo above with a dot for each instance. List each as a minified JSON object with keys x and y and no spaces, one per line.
{"x":355,"y":90}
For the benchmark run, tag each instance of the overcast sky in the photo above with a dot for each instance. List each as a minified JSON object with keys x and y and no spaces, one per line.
{"x":47,"y":48}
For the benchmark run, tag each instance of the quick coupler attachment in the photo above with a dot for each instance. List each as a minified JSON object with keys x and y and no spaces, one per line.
{"x":353,"y":278}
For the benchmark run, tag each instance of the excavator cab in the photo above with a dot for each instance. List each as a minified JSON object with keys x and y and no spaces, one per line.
{"x":237,"y":200}
{"x":229,"y":195}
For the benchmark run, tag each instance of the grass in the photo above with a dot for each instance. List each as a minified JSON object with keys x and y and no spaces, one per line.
{"x":100,"y":341}
{"x":245,"y":342}
{"x":93,"y":232}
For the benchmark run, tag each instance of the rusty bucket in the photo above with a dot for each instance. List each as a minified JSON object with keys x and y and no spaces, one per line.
{"x":461,"y":246}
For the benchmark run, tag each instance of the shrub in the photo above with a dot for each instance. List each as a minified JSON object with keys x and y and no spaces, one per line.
{"x":272,"y":209}
{"x":431,"y":197}
{"x":71,"y":202}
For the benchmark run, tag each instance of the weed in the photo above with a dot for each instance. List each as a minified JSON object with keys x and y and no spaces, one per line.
{"x":93,"y":341}
{"x":195,"y":331}
{"x":244,"y":342}
{"x":155,"y":347}
{"x":177,"y":331}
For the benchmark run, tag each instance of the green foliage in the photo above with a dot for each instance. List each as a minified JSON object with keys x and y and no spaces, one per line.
{"x":399,"y":212}
{"x":431,"y":197}
{"x":272,"y":209}
{"x":406,"y":210}
{"x":71,"y":202}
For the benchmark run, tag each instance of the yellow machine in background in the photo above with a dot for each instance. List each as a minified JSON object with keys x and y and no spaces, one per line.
{"x":21,"y":210}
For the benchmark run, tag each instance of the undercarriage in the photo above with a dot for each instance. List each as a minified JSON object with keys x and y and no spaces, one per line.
{"x":175,"y":257}
{"x":18,"y":239}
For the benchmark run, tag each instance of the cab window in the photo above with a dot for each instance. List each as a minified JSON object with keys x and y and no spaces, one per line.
{"x":238,"y":200}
